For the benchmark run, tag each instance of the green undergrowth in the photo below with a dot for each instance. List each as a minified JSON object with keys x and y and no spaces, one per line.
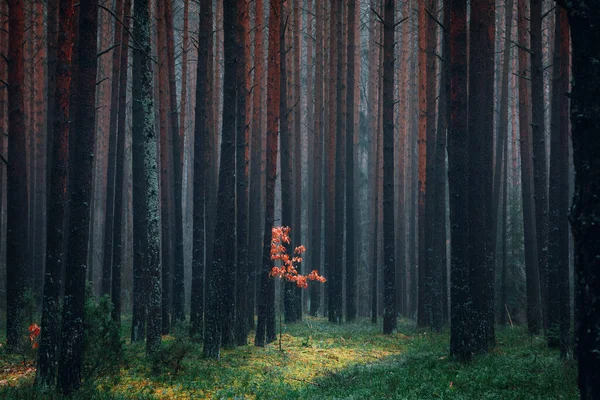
{"x":324,"y":361}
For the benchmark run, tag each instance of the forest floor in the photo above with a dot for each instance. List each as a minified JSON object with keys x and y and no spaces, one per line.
{"x":323,"y":361}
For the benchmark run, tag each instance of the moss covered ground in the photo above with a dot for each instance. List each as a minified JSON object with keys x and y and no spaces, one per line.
{"x":323,"y":361}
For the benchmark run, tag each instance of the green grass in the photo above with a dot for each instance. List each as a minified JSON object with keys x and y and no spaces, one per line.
{"x":352,"y":361}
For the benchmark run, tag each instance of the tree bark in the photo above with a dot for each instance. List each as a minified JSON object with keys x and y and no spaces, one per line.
{"x":529,"y":222}
{"x":17,"y":209}
{"x":265,"y":328}
{"x":584,"y":18}
{"x":178,"y":290}
{"x":317,"y":160}
{"x":57,"y":198}
{"x":220,"y":312}
{"x":70,"y":363}
{"x":112,"y":155}
{"x":351,"y":248}
{"x":389,"y":268}
{"x":118,"y":245}
{"x":202,"y":132}
{"x":461,"y":315}
{"x":242,"y":161}
{"x":255,"y":192}
{"x":481,"y":120}
{"x":559,"y":311}
{"x":540,"y":173}
{"x":166,"y":171}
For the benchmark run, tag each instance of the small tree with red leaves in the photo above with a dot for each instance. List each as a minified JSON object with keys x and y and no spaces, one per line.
{"x":288,"y":270}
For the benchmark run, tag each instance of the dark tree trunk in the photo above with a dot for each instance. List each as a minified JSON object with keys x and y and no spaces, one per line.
{"x":559,"y":312}
{"x":145,"y":159}
{"x":439,"y":241}
{"x":17,"y":210}
{"x":166,"y":171}
{"x":502,"y":126}
{"x":481,"y":120}
{"x":242,"y":161}
{"x":118,"y":247}
{"x":80,"y":193}
{"x":265,"y":328}
{"x":389,"y":267}
{"x":112,"y":155}
{"x":178,"y":291}
{"x":285,"y":160}
{"x":351,"y":248}
{"x":585,"y":101}
{"x":317,"y":203}
{"x":201,"y":157}
{"x":255,"y":193}
{"x":297,"y":104}
{"x":220,"y":312}
{"x":540,"y":168}
{"x":57,"y":198}
{"x":336,"y":269}
{"x":52,"y":31}
{"x":529,"y":222}
{"x":461,"y":315}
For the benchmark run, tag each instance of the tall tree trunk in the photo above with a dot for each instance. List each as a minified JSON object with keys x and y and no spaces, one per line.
{"x":461,"y":314}
{"x":145,"y":158}
{"x":220,"y":312}
{"x":286,"y":163}
{"x":538,"y":131}
{"x":433,"y":269}
{"x":351,"y":248}
{"x":298,"y":108}
{"x":118,"y":245}
{"x":317,"y":181}
{"x":373,"y":152}
{"x":184,"y":73}
{"x":559,"y":304}
{"x":57,"y":198}
{"x":584,"y":19}
{"x":424,"y":301}
{"x":265,"y":328}
{"x":440,"y":237}
{"x":529,"y":222}
{"x":178,"y":290}
{"x":255,"y":194}
{"x":403,"y":77}
{"x":389,"y":268}
{"x":39,"y":154}
{"x":242,"y":161}
{"x":502,"y":125}
{"x":112,"y":155}
{"x":52,"y":31}
{"x":17,"y":209}
{"x":481,"y":120}
{"x":166,"y":171}
{"x":70,"y":363}
{"x":202,"y":132}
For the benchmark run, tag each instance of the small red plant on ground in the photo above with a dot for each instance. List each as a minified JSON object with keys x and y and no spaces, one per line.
{"x":279,"y":243}
{"x":34,"y":333}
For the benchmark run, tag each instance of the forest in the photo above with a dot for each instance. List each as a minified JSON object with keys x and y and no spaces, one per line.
{"x":300,"y":199}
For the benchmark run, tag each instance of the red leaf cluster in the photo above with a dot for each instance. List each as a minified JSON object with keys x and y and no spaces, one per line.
{"x":287,"y":270}
{"x":34,"y":333}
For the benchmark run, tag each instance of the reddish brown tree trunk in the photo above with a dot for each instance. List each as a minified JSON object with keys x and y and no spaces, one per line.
{"x":57,"y":198}
{"x":17,"y":209}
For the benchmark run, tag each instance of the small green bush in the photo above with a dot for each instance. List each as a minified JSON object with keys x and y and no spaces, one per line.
{"x":103,"y":347}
